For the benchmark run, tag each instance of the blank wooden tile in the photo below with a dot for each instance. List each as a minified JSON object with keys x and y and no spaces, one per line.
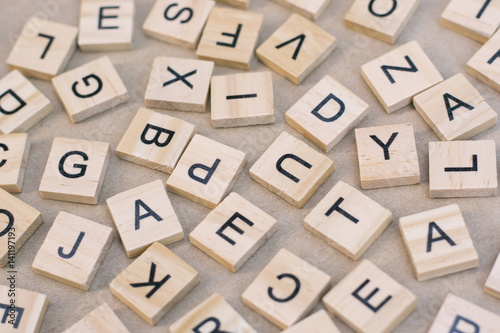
{"x":206,"y":171}
{"x":396,"y":77}
{"x":296,"y":48}
{"x":154,"y":283}
{"x":383,"y":20}
{"x":179,"y":84}
{"x":73,"y":250}
{"x":485,"y":64}
{"x":286,"y":290}
{"x":326,"y":113}
{"x":309,"y":9}
{"x":241,"y":4}
{"x":43,"y":50}
{"x":144,"y":215}
{"x":454,"y":109}
{"x":462,"y":169}
{"x":233,"y":231}
{"x":229,"y":37}
{"x":319,"y":322}
{"x":100,"y":320}
{"x":387,"y":156}
{"x":22,"y":105}
{"x":14,"y":153}
{"x":75,"y":171}
{"x":106,"y":25}
{"x":90,"y":89}
{"x":242,"y":99}
{"x":155,"y":140}
{"x":369,"y":300}
{"x":492,"y":285}
{"x":438,"y":242}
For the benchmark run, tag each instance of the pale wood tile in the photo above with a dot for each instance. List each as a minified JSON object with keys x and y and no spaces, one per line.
{"x":492,"y":285}
{"x":319,"y":322}
{"x":14,"y":153}
{"x":28,"y":314}
{"x":485,"y":64}
{"x":100,"y":320}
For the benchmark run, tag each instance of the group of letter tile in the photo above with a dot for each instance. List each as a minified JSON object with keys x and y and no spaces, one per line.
{"x":203,"y":170}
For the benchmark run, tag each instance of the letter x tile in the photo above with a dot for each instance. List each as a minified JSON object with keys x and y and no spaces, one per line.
{"x":14,"y":153}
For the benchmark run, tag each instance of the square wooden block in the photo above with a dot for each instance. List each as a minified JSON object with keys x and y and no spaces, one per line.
{"x":319,"y":322}
{"x":179,"y":24}
{"x":154,"y":283}
{"x":485,"y":64}
{"x":206,"y":171}
{"x":155,"y":140}
{"x":369,"y":300}
{"x":233,"y":231}
{"x":28,"y":314}
{"x":43,"y":50}
{"x":229,"y":37}
{"x":326,"y":113}
{"x":296,"y":48}
{"x":348,"y":220}
{"x":460,"y":169}
{"x":22,"y":105}
{"x":14,"y":153}
{"x":492,"y":285}
{"x":100,"y":320}
{"x":438,"y":242}
{"x":387,"y":156}
{"x":73,"y":250}
{"x":396,"y":77}
{"x":179,"y":84}
{"x":455,"y":110}
{"x":144,"y":215}
{"x":242,"y":99}
{"x":309,"y":9}
{"x":106,"y":25}
{"x":75,"y":171}
{"x":286,"y":290}
{"x":241,"y":4}
{"x":90,"y":89}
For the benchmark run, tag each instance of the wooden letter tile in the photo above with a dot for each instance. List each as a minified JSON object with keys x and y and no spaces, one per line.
{"x":154,"y":283}
{"x":14,"y":153}
{"x":319,"y":322}
{"x":309,"y":9}
{"x":485,"y":64}
{"x":438,"y":242}
{"x":90,"y":89}
{"x":286,"y":290}
{"x":75,"y":171}
{"x":492,"y":285}
{"x":101,"y":320}
{"x":462,"y":169}
{"x":241,"y":4}
{"x":28,"y":314}
{"x":326,"y":113}
{"x":73,"y":250}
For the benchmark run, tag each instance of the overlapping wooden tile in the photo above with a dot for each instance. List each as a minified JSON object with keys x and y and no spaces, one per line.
{"x":241,"y":4}
{"x":319,"y":322}
{"x":492,"y":285}
{"x":309,"y":9}
{"x":28,"y":313}
{"x":485,"y":64}
{"x":14,"y":153}
{"x":100,"y":320}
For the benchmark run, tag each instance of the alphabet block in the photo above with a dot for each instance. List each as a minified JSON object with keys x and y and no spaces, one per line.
{"x":144,"y":215}
{"x":154,"y":283}
{"x":233,"y":232}
{"x":485,"y":64}
{"x":15,"y":150}
{"x":309,"y":9}
{"x":326,"y":113}
{"x":75,"y":171}
{"x":229,"y":37}
{"x":369,"y":300}
{"x":438,"y":242}
{"x":101,"y":320}
{"x":179,"y":84}
{"x":296,"y":48}
{"x":90,"y":89}
{"x":291,"y":169}
{"x":242,"y":100}
{"x":318,"y":322}
{"x":43,"y":50}
{"x":396,"y":77}
{"x":454,"y":109}
{"x":462,"y":169}
{"x":241,"y":4}
{"x":492,"y":285}
{"x":206,"y":171}
{"x":387,"y":156}
{"x":28,"y":313}
{"x":155,"y":140}
{"x":348,"y":220}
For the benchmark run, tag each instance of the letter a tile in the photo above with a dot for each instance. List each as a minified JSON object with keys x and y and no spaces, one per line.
{"x":492,"y":285}
{"x":485,"y":64}
{"x":101,"y":320}
{"x":29,"y":311}
{"x":309,"y":9}
{"x":319,"y":322}
{"x":14,"y":153}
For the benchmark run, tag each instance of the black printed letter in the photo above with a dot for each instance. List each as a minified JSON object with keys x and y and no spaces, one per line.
{"x":323,"y":103}
{"x":101,"y":17}
{"x":292,"y":295}
{"x":458,"y":319}
{"x":411,"y":69}
{"x":459,"y":104}
{"x":19,"y":100}
{"x":9,"y":224}
{"x":495,"y":56}
{"x":393,"y":8}
{"x":230,"y":224}
{"x":286,"y":173}
{"x":336,"y":207}
{"x":366,"y":300}
{"x":210,"y":171}
{"x":385,"y":146}
{"x":151,"y":282}
{"x":213,"y":320}
{"x":73,"y":250}
{"x":443,"y":236}
{"x":82,"y":167}
{"x":156,"y":138}
{"x":235,"y":36}
{"x":139,"y":217}
{"x":87,"y":83}
{"x":5,"y":148}
{"x":300,"y":38}
{"x":179,"y":13}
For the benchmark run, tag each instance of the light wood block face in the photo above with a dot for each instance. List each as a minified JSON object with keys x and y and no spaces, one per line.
{"x":309,"y":9}
{"x":14,"y":153}
{"x":396,"y":77}
{"x":90,"y":89}
{"x":144,"y":215}
{"x":326,"y":113}
{"x":43,"y":50}
{"x":75,"y":171}
{"x":485,"y":64}
{"x":73,"y":250}
{"x":462,"y":169}
{"x":22,"y":105}
{"x":101,"y":320}
{"x":296,"y":48}
{"x":438,"y":242}
{"x":454,"y":109}
{"x":229,"y":37}
{"x":241,"y":4}
{"x":348,"y":220}
{"x":179,"y":84}
{"x":492,"y":285}
{"x":319,"y":322}
{"x":286,"y":290}
{"x":233,"y":231}
{"x":178,"y":23}
{"x":154,"y":283}
{"x":206,"y":171}
{"x":242,"y":100}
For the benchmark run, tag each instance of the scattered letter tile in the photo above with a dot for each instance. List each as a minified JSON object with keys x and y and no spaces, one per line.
{"x":14,"y":153}
{"x":310,"y":9}
{"x":319,"y":322}
{"x":485,"y":64}
{"x":492,"y":285}
{"x":29,"y":311}
{"x":241,"y":4}
{"x":101,"y":320}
